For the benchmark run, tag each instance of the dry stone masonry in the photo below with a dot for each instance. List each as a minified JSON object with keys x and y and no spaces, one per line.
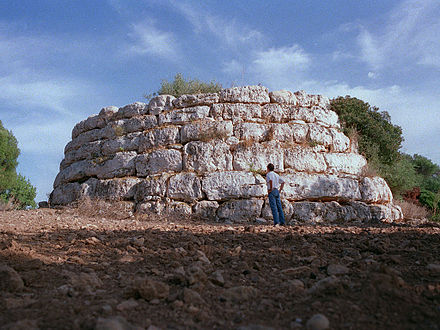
{"x":203,"y":155}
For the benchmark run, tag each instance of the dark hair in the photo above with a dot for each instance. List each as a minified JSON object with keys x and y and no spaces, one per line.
{"x":270,"y":167}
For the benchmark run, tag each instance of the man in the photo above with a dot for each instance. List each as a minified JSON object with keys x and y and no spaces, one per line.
{"x":274,"y":186}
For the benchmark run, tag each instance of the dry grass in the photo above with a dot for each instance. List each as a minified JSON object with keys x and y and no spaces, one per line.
{"x":353,"y":135}
{"x":411,"y":210}
{"x":9,"y":205}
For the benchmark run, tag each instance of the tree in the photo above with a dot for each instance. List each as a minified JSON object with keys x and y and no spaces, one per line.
{"x":13,"y":188}
{"x":180,"y":86}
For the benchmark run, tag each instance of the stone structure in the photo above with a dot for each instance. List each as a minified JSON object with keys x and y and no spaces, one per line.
{"x":203,"y":154}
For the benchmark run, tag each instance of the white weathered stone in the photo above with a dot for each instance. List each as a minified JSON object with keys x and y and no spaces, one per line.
{"x":203,"y":157}
{"x":300,"y":132}
{"x":340,"y":142}
{"x":185,"y":186}
{"x":139,"y":124}
{"x":257,"y":156}
{"x":326,"y":117}
{"x":131,"y":110}
{"x":246,"y":94}
{"x":349,"y":163}
{"x":275,"y":113}
{"x":236,"y":110}
{"x":375,"y":190}
{"x":160,"y":103}
{"x":184,"y":115}
{"x":304,"y":99}
{"x":130,"y":142}
{"x":178,"y":209}
{"x":122,"y":164}
{"x":75,"y":172}
{"x":304,"y":160}
{"x":206,"y":209}
{"x":240,"y":210}
{"x":108,"y":112}
{"x":158,"y":138}
{"x":152,"y":185}
{"x":281,"y":133}
{"x":157,"y":161}
{"x":154,"y":207}
{"x":206,"y":130}
{"x":87,"y":151}
{"x":301,"y":186}
{"x":233,"y":184}
{"x":251,"y":131}
{"x":304,"y":114}
{"x":93,"y":122}
{"x":283,"y":97}
{"x":321,"y":135}
{"x":89,"y":136}
{"x":195,"y":99}
{"x":112,"y":189}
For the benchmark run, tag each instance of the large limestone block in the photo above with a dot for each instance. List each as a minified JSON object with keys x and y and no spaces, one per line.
{"x":130,"y":142}
{"x":301,"y":186}
{"x":375,"y":190}
{"x":257,"y":156}
{"x":275,"y":113}
{"x":283,"y":97}
{"x":160,"y":103}
{"x":113,"y":189}
{"x":75,"y":172}
{"x":177,"y":210}
{"x":203,"y":157}
{"x":152,"y":185}
{"x":87,"y":151}
{"x":122,"y":164}
{"x":65,"y":194}
{"x":349,"y":163}
{"x":195,"y":99}
{"x":306,"y":100}
{"x":251,"y":131}
{"x":206,"y":209}
{"x":92,"y":122}
{"x":240,"y":210}
{"x":234,"y":111}
{"x":281,"y":132}
{"x":321,"y":135}
{"x":206,"y":130}
{"x":157,"y":161}
{"x":185,"y":186}
{"x":385,"y":213}
{"x":304,"y":160}
{"x":247,"y":94}
{"x":89,"y":136}
{"x":183,"y":116}
{"x":300,"y":131}
{"x":341,"y":143}
{"x":303,"y":114}
{"x":303,"y":98}
{"x":326,"y":117}
{"x":233,"y":184}
{"x":132,"y":110}
{"x":159,"y":137}
{"x":152,"y":207}
{"x":139,"y":124}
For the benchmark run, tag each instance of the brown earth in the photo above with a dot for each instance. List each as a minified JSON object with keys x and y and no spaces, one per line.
{"x":60,"y":269}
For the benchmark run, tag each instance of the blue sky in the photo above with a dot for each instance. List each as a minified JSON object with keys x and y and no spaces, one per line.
{"x":62,"y":61}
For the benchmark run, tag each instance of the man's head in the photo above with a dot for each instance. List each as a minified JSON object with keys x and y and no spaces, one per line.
{"x":270,"y":167}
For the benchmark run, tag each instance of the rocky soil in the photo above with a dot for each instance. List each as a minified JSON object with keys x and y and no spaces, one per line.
{"x":61,"y":269}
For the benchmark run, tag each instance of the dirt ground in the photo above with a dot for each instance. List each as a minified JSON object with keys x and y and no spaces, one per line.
{"x":62,"y":270}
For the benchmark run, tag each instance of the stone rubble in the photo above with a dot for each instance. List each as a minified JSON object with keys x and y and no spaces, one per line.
{"x":204,"y":154}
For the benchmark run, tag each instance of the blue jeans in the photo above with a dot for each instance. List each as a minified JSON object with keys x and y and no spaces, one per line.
{"x":275,"y":205}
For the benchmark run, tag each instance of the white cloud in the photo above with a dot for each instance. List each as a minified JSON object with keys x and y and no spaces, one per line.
{"x":411,"y":35}
{"x":280,"y":66}
{"x":149,"y":40}
{"x":228,"y":31}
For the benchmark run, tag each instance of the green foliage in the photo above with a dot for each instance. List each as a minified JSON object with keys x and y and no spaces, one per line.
{"x":8,"y":157}
{"x":181,"y":86}
{"x":13,"y":188}
{"x":22,"y":193}
{"x":378,"y":137}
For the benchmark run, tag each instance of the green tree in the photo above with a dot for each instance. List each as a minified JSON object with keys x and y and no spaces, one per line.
{"x":14,"y":188}
{"x":180,"y":86}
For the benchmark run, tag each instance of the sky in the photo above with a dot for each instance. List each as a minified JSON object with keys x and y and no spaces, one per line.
{"x":62,"y":61}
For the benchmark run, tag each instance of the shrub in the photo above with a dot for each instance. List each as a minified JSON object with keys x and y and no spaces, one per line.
{"x":181,"y":86}
{"x":411,"y":210}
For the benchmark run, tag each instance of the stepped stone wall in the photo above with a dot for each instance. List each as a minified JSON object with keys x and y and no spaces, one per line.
{"x":203,"y":155}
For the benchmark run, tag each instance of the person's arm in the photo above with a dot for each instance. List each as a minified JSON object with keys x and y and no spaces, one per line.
{"x":269,"y":186}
